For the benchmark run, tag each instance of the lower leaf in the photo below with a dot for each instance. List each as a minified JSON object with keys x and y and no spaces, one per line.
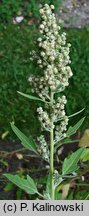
{"x":28,"y":185}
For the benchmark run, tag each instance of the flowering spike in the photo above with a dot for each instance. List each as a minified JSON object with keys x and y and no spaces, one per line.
{"x":53,"y":61}
{"x":53,"y":56}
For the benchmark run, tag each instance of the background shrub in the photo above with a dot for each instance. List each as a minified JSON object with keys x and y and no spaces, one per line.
{"x":78,"y":90}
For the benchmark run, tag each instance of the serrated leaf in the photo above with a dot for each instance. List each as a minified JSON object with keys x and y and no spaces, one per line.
{"x":28,"y":143}
{"x":28,"y":185}
{"x":31,"y":97}
{"x":70,"y":164}
{"x":73,"y":129}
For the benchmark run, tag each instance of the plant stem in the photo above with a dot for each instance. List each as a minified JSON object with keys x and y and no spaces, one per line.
{"x":51,"y":152}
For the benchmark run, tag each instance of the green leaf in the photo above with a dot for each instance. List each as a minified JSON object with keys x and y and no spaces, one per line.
{"x":76,"y":113}
{"x":28,"y":185}
{"x":64,"y":142}
{"x":72,"y":130}
{"x":47,"y":191}
{"x":57,"y":195}
{"x":70,"y":163}
{"x":8,"y":187}
{"x":60,"y":143}
{"x":28,"y":143}
{"x":58,"y":181}
{"x":85,"y":155}
{"x":31,"y":97}
{"x":5,"y":163}
{"x":70,"y":196}
{"x":82,"y":184}
{"x":19,"y":194}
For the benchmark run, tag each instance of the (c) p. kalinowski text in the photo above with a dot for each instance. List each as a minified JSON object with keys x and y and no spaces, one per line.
{"x":50,"y":207}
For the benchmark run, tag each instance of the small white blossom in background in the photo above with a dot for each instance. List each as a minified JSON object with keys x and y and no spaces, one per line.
{"x":54,"y":73}
{"x":18,"y":19}
{"x":83,"y":178}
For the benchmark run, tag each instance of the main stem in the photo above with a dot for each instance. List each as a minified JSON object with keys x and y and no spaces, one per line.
{"x":51,"y":151}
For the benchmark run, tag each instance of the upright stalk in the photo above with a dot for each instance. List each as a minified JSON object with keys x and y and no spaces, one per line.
{"x":51,"y":152}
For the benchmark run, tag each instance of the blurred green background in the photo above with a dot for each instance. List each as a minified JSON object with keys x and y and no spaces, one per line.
{"x":16,"y":42}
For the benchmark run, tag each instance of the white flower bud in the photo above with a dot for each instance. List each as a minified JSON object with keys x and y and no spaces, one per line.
{"x":41,"y":11}
{"x":30,"y":79}
{"x":39,"y":39}
{"x":47,"y":6}
{"x":52,"y":58}
{"x":52,"y":7}
{"x":41,"y":31}
{"x":39,"y":61}
{"x":63,"y":113}
{"x":41,"y":26}
{"x":46,"y":29}
{"x":42,"y":54}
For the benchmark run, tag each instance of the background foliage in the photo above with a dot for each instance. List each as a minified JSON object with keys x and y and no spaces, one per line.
{"x":16,"y":41}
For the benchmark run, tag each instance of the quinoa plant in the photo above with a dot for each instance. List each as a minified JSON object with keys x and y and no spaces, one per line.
{"x":53,"y":60}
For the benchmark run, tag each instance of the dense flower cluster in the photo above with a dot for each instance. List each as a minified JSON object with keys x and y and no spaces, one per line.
{"x":44,"y":119}
{"x":53,"y":56}
{"x":53,"y":61}
{"x":58,"y":109}
{"x":57,"y":114}
{"x":60,"y":129}
{"x":43,"y":148}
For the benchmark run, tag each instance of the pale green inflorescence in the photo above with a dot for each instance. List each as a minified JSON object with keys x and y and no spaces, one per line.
{"x":54,"y":60}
